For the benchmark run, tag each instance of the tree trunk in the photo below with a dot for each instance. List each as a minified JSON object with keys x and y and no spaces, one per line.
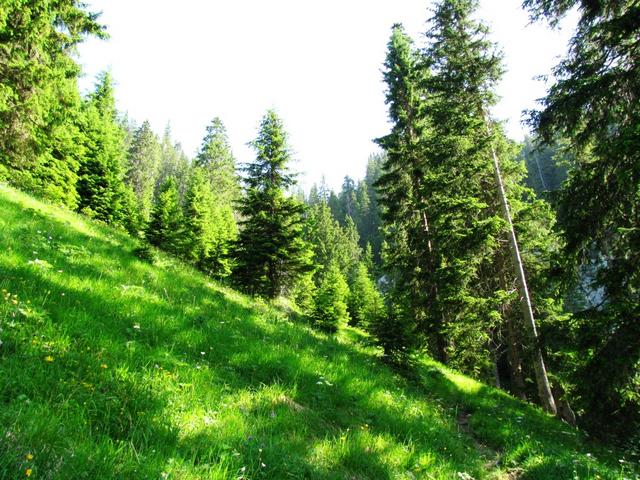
{"x":544,"y":389}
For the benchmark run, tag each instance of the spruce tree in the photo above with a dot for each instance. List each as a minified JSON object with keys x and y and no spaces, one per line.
{"x":330,"y":303}
{"x":467,"y":221}
{"x":365,"y":303}
{"x":40,"y":142}
{"x":408,"y":256}
{"x":164,"y":229}
{"x":173,"y":163}
{"x":270,"y":251}
{"x":101,"y":173}
{"x":209,"y":227}
{"x":216,"y":159}
{"x":143,"y":165}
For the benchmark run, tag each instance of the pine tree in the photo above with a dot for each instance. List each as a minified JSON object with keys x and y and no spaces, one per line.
{"x":100,"y":183}
{"x":143,"y":164}
{"x":270,"y":251}
{"x":164,"y":229}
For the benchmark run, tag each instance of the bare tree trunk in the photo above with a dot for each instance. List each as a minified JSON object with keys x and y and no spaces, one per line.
{"x":544,"y":389}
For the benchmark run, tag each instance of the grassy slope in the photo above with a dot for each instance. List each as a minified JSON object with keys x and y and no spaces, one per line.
{"x":113,"y":368}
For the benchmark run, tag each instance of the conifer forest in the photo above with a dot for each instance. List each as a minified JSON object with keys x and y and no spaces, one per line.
{"x":468,"y":306}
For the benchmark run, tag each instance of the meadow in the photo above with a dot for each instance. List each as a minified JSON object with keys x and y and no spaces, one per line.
{"x":114,"y":367}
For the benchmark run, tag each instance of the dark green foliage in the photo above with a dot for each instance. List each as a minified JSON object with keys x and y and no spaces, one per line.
{"x":330,"y":310}
{"x":593,"y":105}
{"x":40,"y":144}
{"x":164,"y":229}
{"x":393,"y":333}
{"x":396,"y":188}
{"x":101,"y":173}
{"x":270,"y":251}
{"x":143,"y":165}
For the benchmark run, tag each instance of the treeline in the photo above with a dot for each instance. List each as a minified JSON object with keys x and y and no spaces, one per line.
{"x":238,"y":223}
{"x":421,"y":252}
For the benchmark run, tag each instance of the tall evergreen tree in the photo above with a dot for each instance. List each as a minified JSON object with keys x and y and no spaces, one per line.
{"x":216,"y":159}
{"x":446,"y":235}
{"x":173,"y":163}
{"x":101,"y":173}
{"x":466,"y":223}
{"x":164,"y":229}
{"x":408,"y":246}
{"x":143,"y":165}
{"x":270,"y":251}
{"x":209,"y":227}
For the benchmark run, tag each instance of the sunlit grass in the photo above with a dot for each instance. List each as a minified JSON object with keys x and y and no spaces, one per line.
{"x":114,"y":368}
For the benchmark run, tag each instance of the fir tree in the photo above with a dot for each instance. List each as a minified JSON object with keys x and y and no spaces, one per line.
{"x":409,"y":257}
{"x":40,"y":141}
{"x":173,"y":163}
{"x":209,"y":228}
{"x":142,"y":168}
{"x":100,"y":183}
{"x":365,"y":304}
{"x":165,"y":226}
{"x":330,"y":310}
{"x":216,"y":159}
{"x":270,"y":251}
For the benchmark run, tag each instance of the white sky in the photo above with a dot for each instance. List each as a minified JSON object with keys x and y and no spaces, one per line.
{"x":318,"y":63}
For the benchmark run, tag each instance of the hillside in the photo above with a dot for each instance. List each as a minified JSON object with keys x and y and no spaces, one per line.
{"x":113,"y":368}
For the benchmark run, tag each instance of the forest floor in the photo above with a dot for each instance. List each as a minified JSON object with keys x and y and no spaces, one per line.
{"x":111,"y":367}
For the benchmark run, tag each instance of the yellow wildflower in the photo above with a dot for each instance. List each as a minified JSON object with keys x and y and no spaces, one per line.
{"x":48,"y":358}
{"x":29,"y":456}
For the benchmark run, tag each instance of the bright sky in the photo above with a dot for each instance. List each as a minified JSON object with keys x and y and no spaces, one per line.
{"x":318,"y":63}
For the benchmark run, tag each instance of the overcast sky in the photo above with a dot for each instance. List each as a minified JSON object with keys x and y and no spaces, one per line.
{"x":318,"y":63}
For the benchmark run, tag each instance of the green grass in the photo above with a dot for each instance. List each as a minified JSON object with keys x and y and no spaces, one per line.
{"x":113,"y":368}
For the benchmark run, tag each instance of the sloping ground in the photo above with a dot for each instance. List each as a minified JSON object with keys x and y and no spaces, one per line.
{"x":114,"y":368}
